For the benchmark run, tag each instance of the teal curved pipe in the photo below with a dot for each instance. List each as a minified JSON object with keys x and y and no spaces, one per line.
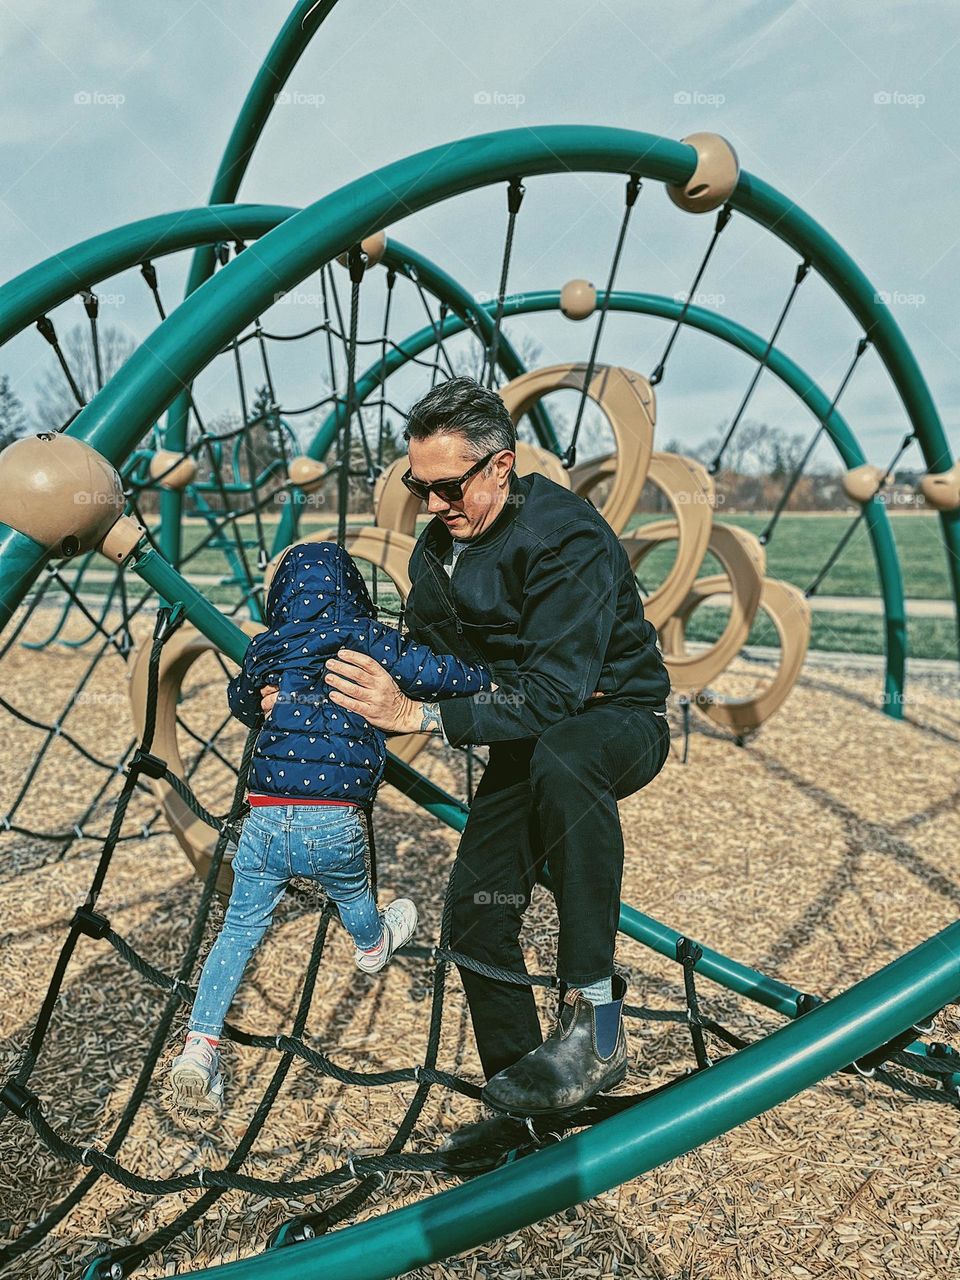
{"x":284,"y":54}
{"x":205,"y":321}
{"x":796,"y":228}
{"x":693,"y":1111}
{"x":49,"y":283}
{"x":780,"y":365}
{"x":30,"y":295}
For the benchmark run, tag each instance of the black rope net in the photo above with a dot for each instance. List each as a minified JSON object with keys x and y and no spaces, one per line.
{"x":92,"y":615}
{"x":360,"y":1175}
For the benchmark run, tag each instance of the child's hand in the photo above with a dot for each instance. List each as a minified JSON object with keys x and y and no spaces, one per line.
{"x":268,"y":696}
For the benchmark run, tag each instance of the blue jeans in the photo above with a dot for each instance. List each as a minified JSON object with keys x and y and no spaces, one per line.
{"x":320,"y":842}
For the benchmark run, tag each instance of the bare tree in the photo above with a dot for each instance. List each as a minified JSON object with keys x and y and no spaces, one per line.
{"x":13,"y":417}
{"x":56,"y":401}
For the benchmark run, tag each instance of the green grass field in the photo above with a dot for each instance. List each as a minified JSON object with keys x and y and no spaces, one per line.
{"x":801,"y":545}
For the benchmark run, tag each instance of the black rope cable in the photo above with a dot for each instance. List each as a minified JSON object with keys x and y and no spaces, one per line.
{"x":633,"y":189}
{"x":767,"y":532}
{"x":87,"y":921}
{"x":688,"y":954}
{"x":382,"y":402}
{"x":133,"y":1256}
{"x":91,"y":304}
{"x":515,"y":193}
{"x":29,"y":608}
{"x":723,"y":217}
{"x":442,"y":311}
{"x":206,"y":744}
{"x":206,"y":439}
{"x":435,"y":325}
{"x":74,"y":598}
{"x":54,"y":732}
{"x":357,"y":261}
{"x":247,"y":445}
{"x":48,"y":331}
{"x":803,"y":270}
{"x":327,"y":282}
{"x":349,"y":1205}
{"x":854,"y":524}
{"x":167,"y":621}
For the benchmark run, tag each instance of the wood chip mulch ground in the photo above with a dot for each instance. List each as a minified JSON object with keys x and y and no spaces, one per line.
{"x":818,"y":852}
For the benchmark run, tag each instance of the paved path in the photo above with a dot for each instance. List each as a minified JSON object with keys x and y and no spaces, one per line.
{"x":821,"y":604}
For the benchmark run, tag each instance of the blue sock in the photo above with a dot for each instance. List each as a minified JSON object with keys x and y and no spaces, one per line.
{"x":600,"y":992}
{"x":606,"y":1012}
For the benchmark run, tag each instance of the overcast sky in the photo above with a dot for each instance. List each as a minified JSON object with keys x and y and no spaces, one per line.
{"x":113,"y":112}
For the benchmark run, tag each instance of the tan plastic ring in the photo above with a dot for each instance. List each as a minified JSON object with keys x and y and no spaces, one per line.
{"x":185,"y":646}
{"x":690,"y":491}
{"x":744,"y":562}
{"x":789,"y":611}
{"x":627,"y":400}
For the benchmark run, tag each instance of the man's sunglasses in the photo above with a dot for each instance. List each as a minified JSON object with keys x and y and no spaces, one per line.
{"x":448,"y":490}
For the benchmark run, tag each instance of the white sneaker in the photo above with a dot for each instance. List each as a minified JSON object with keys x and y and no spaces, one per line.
{"x":195,"y":1076}
{"x":399,"y":925}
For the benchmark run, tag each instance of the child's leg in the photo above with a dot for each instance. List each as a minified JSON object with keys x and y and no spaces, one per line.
{"x":260,"y":876}
{"x":328,"y":845}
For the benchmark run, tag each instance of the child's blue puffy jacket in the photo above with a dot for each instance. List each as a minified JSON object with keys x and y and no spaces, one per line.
{"x":308,"y":746}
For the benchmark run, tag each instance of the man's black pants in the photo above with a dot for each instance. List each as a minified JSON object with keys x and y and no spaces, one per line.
{"x":553,"y":800}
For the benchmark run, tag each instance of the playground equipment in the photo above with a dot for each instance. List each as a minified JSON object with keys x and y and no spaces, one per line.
{"x":75,"y":495}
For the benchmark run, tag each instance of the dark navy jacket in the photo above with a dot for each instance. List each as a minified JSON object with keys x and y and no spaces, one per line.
{"x":308,"y":746}
{"x":546,"y":597}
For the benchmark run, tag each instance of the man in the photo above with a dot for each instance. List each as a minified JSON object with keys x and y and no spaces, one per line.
{"x":527,"y":577}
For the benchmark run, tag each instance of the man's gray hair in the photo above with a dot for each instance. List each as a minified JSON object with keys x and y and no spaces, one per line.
{"x":463,"y":406}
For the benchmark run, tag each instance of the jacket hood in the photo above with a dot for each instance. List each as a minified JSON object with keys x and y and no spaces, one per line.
{"x":316,"y":581}
{"x":316,"y":586}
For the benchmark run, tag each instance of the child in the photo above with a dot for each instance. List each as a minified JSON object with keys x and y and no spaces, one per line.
{"x":314,"y":765}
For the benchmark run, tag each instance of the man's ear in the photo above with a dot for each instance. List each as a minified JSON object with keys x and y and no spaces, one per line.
{"x":504,"y":463}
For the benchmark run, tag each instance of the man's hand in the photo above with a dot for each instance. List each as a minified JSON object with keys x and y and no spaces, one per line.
{"x":360,"y":684}
{"x":268,"y":696}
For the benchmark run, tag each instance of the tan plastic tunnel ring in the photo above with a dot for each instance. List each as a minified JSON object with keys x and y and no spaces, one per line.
{"x":185,"y":646}
{"x":789,"y":611}
{"x":627,"y":400}
{"x":689,"y":489}
{"x":744,"y":563}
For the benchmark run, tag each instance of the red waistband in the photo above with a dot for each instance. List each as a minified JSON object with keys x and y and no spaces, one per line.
{"x":256,"y":798}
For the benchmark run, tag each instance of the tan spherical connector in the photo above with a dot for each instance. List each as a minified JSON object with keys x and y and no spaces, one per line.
{"x":374,"y":247}
{"x":715,"y":177}
{"x":942,"y":488}
{"x":60,"y":492}
{"x":307,"y":473}
{"x":172,"y":470}
{"x":578,"y":299}
{"x":861,"y":483}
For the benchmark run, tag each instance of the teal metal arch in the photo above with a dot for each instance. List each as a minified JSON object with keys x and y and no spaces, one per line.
{"x":41,"y":288}
{"x":305,"y":19}
{"x":34,"y":292}
{"x":692,"y":1111}
{"x":736,"y":335}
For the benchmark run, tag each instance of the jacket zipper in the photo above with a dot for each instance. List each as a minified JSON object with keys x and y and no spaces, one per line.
{"x":448,"y":589}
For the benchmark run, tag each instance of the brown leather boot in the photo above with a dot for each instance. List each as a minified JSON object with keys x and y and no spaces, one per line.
{"x":567,"y":1070}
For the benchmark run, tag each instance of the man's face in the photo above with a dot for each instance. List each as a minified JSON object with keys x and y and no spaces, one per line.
{"x":446,"y":456}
